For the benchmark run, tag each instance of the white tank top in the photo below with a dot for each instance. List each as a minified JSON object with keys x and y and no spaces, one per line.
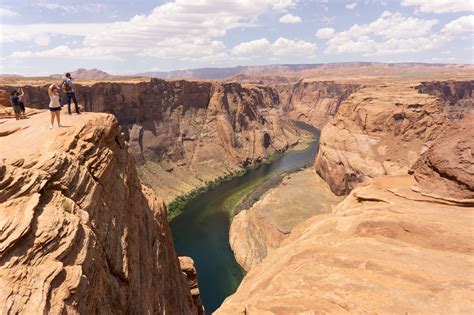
{"x":54,"y":101}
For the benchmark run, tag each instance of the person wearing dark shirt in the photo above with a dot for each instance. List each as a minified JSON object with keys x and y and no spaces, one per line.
{"x":21,"y":104}
{"x":68,"y":86}
{"x":15,"y":101}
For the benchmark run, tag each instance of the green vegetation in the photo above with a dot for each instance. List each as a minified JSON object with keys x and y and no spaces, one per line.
{"x":231,"y":202}
{"x":67,"y":205}
{"x":177,"y":205}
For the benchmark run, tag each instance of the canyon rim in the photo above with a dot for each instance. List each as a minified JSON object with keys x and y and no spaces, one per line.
{"x":237,"y":157}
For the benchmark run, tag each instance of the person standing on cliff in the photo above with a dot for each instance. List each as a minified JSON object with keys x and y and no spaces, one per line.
{"x":15,"y":101}
{"x":54,"y":105}
{"x":21,"y":104}
{"x":68,"y":87}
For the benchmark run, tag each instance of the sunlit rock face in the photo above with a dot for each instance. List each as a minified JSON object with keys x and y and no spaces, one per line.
{"x":78,"y":231}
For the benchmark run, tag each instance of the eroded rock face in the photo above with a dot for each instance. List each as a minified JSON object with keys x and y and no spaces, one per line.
{"x":447,"y":169}
{"x":456,"y":97}
{"x":381,"y":129}
{"x":387,"y":248}
{"x":313,"y":102}
{"x":78,"y":232}
{"x":259,"y":230}
{"x":398,"y":243}
{"x":182,"y":133}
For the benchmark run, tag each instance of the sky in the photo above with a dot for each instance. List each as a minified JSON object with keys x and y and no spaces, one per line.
{"x":127,"y":37}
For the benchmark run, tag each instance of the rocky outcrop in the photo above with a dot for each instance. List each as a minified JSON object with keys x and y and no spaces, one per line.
{"x":396,"y":244}
{"x":447,"y":169}
{"x":456,"y":97}
{"x":257,"y":231}
{"x":189,"y":271}
{"x":382,"y":129}
{"x":184,"y":134}
{"x":78,"y":232}
{"x":313,"y":102}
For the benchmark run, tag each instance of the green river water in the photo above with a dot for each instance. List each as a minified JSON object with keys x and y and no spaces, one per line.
{"x":202,"y":230}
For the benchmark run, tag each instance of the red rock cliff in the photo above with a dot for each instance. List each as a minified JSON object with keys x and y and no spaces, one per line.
{"x":78,"y":232}
{"x":383,"y":128}
{"x":187,"y":133}
{"x":401,"y":241}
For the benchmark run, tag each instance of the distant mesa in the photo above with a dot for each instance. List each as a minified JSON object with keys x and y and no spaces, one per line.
{"x":341,"y":68}
{"x":81,"y":73}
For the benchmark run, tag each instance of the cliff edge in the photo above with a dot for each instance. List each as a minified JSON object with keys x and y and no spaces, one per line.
{"x":78,"y":232}
{"x":401,"y":241}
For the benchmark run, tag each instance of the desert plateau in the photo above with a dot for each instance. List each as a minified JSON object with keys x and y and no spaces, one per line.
{"x":237,"y":157}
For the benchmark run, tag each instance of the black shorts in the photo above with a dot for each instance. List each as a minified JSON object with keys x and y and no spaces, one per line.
{"x":17,"y":109}
{"x":55,"y":109}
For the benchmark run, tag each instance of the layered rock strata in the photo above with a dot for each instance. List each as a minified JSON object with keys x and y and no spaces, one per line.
{"x":382,"y":129}
{"x":257,"y":231}
{"x":78,"y":232}
{"x":396,"y":244}
{"x":183,"y":134}
{"x":314,"y":102}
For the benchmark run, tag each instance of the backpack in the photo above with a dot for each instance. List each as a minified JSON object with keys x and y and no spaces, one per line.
{"x":67,"y":87}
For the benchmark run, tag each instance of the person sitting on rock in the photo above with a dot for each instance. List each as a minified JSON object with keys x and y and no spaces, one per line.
{"x":15,"y":101}
{"x":54,"y":105}
{"x":20,"y":102}
{"x":68,"y":87}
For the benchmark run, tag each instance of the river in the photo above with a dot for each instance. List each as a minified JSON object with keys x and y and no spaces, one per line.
{"x":202,"y":230}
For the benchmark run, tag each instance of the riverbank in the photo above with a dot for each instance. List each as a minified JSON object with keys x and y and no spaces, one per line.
{"x":267,"y":216}
{"x":201,"y":231}
{"x":176,"y":206}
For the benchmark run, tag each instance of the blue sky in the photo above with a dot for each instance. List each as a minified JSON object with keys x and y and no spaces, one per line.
{"x":124,"y":37}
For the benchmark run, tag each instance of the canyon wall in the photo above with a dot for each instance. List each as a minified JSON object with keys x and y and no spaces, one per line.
{"x":383,"y":128}
{"x":313,"y":102}
{"x":400,"y":242}
{"x":184,"y":134}
{"x":78,"y":232}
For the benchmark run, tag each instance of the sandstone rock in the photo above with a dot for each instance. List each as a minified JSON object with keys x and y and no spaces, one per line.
{"x":257,"y":231}
{"x":313,"y":102}
{"x":381,"y":130}
{"x":447,"y":169}
{"x":396,"y":244}
{"x":384,"y":249}
{"x":184,"y":134}
{"x":78,"y":232}
{"x":188,"y":269}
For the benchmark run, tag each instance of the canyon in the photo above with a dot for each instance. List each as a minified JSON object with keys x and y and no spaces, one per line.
{"x":185,"y":134}
{"x":79,"y":233}
{"x":401,"y":240}
{"x":381,"y":222}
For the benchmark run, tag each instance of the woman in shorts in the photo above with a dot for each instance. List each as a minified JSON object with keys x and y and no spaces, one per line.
{"x":54,"y":105}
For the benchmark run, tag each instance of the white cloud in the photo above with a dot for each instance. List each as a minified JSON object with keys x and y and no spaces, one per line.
{"x":282,"y":5}
{"x":68,"y":53}
{"x":351,"y":6}
{"x":288,"y":47}
{"x":90,"y":7}
{"x":252,"y":48}
{"x":290,"y":19}
{"x":280,"y":48}
{"x":328,"y":19}
{"x":10,"y":33}
{"x":325,"y":33}
{"x":464,"y":24}
{"x":186,"y":50}
{"x":182,"y":29}
{"x":42,"y":40}
{"x":392,"y":33}
{"x":441,"y":6}
{"x":7,"y":13}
